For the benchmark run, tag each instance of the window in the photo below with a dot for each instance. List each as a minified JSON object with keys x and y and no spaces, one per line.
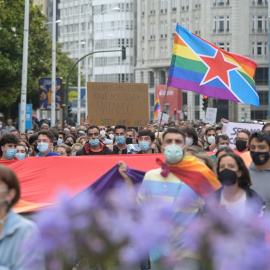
{"x":165,"y":28}
{"x":151,"y":81}
{"x":141,"y":76}
{"x":221,"y":2}
{"x":221,"y":45}
{"x":253,"y":24}
{"x":152,"y":7}
{"x":162,"y":77}
{"x":227,"y":24}
{"x":263,"y":96}
{"x":174,"y":5}
{"x":261,"y":75}
{"x":161,"y":6}
{"x":227,"y":46}
{"x":161,"y":29}
{"x":259,"y":48}
{"x":221,"y":24}
{"x":143,"y":32}
{"x":143,"y":7}
{"x":215,"y":24}
{"x":260,"y":24}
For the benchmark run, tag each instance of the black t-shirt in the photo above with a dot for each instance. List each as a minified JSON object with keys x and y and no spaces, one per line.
{"x":117,"y":151}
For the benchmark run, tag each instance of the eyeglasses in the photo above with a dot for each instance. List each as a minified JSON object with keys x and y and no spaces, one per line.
{"x":93,"y":134}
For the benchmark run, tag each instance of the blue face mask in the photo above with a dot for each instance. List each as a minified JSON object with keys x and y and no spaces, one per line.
{"x":94,"y":142}
{"x":1,"y":126}
{"x":59,"y":141}
{"x":173,"y":153}
{"x":165,"y":129}
{"x":144,"y":146}
{"x":20,"y":156}
{"x":42,"y":147}
{"x":120,"y":139}
{"x":11,"y":153}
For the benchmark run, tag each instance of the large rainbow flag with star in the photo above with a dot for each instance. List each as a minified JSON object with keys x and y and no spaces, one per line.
{"x":204,"y":68}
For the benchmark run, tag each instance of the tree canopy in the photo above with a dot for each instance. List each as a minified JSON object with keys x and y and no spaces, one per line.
{"x":39,"y":55}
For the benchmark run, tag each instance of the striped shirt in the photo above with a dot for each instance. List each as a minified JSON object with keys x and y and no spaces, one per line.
{"x":184,"y":202}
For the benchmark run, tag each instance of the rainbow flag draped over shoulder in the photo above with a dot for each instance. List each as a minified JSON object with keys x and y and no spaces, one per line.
{"x":156,"y":108}
{"x":193,"y":173}
{"x":206,"y":69}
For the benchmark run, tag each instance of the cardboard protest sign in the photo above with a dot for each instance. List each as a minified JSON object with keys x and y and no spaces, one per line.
{"x":112,"y":104}
{"x":231,"y":129}
{"x":165,"y":118}
{"x":211,"y":115}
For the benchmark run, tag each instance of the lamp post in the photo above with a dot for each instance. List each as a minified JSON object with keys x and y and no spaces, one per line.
{"x":24,"y":68}
{"x":53,"y":64}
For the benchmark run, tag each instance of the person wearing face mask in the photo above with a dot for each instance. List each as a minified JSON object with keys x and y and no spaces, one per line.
{"x":241,"y":142}
{"x":259,"y":169}
{"x":70,"y":140}
{"x":209,"y":138}
{"x":146,"y":138}
{"x":15,"y":230}
{"x":94,"y":146}
{"x":235,"y":196}
{"x":191,"y":136}
{"x":45,"y":144}
{"x":162,"y":184}
{"x":8,"y":143}
{"x":120,"y":137}
{"x":22,"y":152}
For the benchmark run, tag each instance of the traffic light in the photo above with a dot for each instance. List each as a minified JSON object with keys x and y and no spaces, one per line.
{"x":124,"y":56}
{"x":205,"y":102}
{"x":243,"y":119}
{"x":69,"y":111}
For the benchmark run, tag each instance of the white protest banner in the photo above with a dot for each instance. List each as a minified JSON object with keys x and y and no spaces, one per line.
{"x":211,"y":115}
{"x":165,"y":118}
{"x":231,"y":129}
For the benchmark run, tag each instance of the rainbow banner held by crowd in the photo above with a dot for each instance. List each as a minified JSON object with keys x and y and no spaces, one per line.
{"x":204,"y":68}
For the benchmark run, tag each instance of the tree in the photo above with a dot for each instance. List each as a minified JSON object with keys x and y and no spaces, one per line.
{"x":39,"y":55}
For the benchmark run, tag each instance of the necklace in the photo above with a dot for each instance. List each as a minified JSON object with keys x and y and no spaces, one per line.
{"x":3,"y":220}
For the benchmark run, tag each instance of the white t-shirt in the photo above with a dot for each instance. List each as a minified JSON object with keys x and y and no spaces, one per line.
{"x":235,"y":208}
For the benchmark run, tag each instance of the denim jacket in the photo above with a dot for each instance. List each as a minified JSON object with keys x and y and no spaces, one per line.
{"x":13,"y":256}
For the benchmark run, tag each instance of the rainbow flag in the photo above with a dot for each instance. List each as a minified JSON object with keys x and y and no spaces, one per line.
{"x":193,"y":173}
{"x":204,"y":68}
{"x":156,"y":108}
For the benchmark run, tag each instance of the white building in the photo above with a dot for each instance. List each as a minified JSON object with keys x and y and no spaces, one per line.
{"x":238,"y":26}
{"x":114,"y":27}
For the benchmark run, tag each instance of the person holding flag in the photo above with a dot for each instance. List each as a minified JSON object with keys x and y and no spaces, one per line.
{"x":183,"y":182}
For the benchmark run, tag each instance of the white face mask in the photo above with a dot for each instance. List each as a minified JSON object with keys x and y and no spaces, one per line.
{"x":102,"y":133}
{"x":111,"y":136}
{"x":189,"y":141}
{"x":211,"y":139}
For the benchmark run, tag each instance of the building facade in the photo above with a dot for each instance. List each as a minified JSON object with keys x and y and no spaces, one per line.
{"x":114,"y":27}
{"x":236,"y":26}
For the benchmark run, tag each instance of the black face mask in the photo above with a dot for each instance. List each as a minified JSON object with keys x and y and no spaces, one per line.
{"x":69,"y":144}
{"x":54,"y":143}
{"x":227,"y":177}
{"x":129,"y":140}
{"x":241,"y":145}
{"x":259,"y":158}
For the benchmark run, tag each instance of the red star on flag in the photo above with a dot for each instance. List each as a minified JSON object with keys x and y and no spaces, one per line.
{"x":218,"y":67}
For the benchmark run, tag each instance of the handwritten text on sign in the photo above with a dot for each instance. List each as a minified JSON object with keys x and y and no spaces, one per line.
{"x":112,"y":104}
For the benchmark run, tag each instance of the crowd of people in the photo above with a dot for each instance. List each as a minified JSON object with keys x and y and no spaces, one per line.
{"x":243,"y":186}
